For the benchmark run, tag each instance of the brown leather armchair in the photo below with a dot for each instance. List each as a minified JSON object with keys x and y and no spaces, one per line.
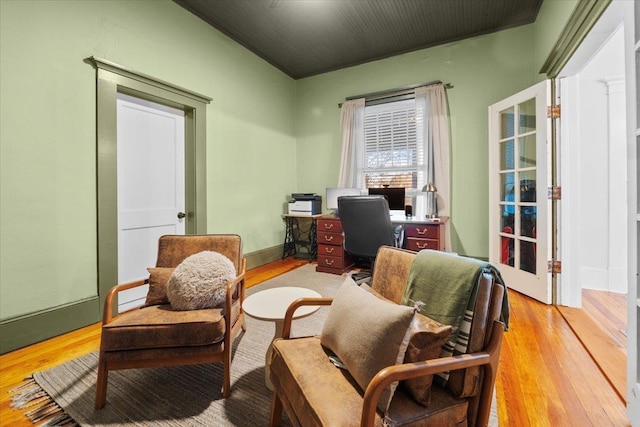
{"x":314,"y":393}
{"x":156,"y":335}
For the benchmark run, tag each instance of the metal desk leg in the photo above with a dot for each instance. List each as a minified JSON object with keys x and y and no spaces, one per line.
{"x":289,"y":247}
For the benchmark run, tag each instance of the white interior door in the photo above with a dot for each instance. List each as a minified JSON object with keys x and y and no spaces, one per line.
{"x":518,"y":206}
{"x":151,"y":199}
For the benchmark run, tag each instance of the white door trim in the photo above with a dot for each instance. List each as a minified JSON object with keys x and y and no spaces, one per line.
{"x":570,"y":219}
{"x":631,"y":13}
{"x":111,"y":79}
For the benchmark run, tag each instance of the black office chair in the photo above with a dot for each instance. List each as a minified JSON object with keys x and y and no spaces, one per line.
{"x":366,"y":225}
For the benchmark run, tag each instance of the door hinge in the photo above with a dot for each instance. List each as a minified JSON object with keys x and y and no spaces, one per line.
{"x":553,"y":112}
{"x":554,"y":193}
{"x":554,"y":266}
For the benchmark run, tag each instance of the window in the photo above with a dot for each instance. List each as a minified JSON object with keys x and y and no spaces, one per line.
{"x":391,"y":154}
{"x":402,"y":141}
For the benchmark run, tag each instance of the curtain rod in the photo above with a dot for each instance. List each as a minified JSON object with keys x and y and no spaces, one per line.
{"x":395,"y":92}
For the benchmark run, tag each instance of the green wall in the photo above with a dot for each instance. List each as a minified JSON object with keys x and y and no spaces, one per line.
{"x":48,"y":134}
{"x":267,"y":135}
{"x":483,"y":70}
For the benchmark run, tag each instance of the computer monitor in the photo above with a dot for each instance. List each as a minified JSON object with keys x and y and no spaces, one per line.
{"x":394,"y":196}
{"x":334,"y":192}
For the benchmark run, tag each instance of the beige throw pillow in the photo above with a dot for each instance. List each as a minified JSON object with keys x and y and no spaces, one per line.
{"x":367,"y":334}
{"x":200,"y":281}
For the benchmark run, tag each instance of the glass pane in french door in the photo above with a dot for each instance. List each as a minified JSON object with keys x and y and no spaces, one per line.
{"x":518,"y":186}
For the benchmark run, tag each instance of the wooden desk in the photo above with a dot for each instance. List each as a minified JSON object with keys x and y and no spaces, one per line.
{"x":421,"y":233}
{"x":416,"y":234}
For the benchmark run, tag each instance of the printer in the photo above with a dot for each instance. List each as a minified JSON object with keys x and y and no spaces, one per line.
{"x":305,"y":204}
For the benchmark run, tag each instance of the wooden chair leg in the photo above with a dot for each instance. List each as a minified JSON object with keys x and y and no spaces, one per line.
{"x":226,"y":375}
{"x":101,"y":384}
{"x":276,"y":411}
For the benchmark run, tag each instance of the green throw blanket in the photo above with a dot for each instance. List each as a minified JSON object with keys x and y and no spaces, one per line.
{"x":447,"y":285}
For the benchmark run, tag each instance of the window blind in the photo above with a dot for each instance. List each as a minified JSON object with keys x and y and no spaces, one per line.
{"x":391,"y":155}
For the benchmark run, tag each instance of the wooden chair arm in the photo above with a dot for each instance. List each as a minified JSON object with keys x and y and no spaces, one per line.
{"x":231,"y":289}
{"x":488,"y":358}
{"x":288,"y":317}
{"x":239,"y":280}
{"x":107,"y":315}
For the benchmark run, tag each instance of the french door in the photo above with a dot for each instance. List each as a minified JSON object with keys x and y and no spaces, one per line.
{"x":519,"y":210}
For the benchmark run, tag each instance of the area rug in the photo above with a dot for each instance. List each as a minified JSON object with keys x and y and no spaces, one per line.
{"x":184,"y":395}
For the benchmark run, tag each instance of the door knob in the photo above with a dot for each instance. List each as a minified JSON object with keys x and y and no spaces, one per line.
{"x":181,"y":215}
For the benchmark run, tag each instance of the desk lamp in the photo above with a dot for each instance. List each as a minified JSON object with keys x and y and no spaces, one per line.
{"x":432,"y":203}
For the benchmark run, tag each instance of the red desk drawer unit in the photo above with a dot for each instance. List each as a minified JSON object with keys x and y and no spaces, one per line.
{"x":424,"y":236}
{"x":331,"y":255}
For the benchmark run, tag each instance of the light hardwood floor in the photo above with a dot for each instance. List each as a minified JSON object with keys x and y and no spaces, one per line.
{"x":546,"y":376}
{"x":601,"y":327}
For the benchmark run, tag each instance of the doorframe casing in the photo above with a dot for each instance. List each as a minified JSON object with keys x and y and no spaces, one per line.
{"x":570,"y":241}
{"x":111,"y":79}
{"x":601,"y":26}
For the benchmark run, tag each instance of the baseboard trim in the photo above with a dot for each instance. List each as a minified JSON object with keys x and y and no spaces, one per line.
{"x":263,"y":256}
{"x":34,"y":327}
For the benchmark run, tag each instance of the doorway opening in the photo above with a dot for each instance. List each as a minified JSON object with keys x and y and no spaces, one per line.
{"x":593,"y":169}
{"x":113,"y":79}
{"x":593,"y":176}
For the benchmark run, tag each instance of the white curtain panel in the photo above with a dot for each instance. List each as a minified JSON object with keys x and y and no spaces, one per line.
{"x":351,"y":160}
{"x":433,"y":133}
{"x":424,"y":143}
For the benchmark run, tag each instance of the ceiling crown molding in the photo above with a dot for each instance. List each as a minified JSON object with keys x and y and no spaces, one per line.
{"x":583,"y":18}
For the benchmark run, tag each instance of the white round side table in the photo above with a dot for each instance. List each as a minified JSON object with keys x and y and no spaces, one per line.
{"x":271,"y":305}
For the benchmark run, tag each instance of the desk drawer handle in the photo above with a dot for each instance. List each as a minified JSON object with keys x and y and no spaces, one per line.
{"x":329,"y":250}
{"x":329,"y":261}
{"x":421,"y":232}
{"x":423,"y":246}
{"x":328,"y":226}
{"x":328,"y":238}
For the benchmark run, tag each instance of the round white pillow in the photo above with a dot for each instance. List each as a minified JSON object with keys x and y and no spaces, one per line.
{"x":200,"y":281}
